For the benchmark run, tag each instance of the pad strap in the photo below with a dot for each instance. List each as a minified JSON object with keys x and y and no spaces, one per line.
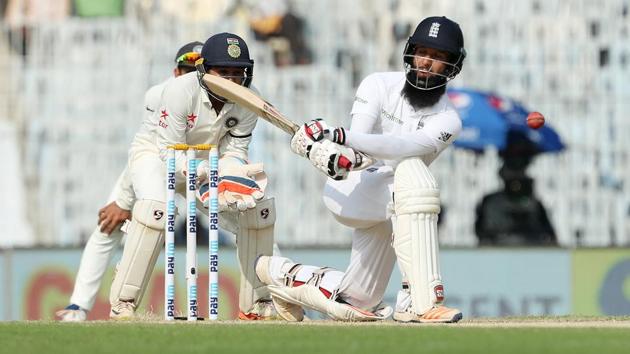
{"x":326,"y":279}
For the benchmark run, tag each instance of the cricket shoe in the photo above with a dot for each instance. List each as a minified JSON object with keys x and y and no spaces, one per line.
{"x":72,"y":313}
{"x":262,"y":310}
{"x":123,"y":310}
{"x":437,"y":314}
{"x":288,"y":311}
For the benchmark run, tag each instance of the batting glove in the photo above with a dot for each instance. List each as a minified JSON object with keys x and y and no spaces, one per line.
{"x":313,"y":131}
{"x":334,"y":160}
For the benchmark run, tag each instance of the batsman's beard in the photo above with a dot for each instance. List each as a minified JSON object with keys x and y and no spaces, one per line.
{"x":422,"y":98}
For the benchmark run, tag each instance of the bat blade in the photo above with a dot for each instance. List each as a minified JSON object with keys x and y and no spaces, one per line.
{"x":247,"y":98}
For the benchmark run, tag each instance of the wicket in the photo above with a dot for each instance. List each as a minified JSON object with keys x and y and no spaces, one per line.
{"x":191,"y":232}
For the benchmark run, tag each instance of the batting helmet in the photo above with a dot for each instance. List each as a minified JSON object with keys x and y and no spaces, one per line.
{"x":226,"y":49}
{"x":438,"y":33}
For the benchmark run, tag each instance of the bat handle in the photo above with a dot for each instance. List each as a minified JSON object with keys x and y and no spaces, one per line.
{"x":344,"y":163}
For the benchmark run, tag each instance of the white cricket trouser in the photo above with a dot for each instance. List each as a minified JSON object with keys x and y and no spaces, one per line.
{"x":98,"y":252}
{"x":148,"y":175}
{"x":362,"y":202}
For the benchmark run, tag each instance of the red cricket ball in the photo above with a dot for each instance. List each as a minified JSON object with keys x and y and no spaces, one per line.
{"x":535,"y":120}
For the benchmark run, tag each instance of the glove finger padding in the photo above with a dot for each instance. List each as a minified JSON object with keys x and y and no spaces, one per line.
{"x":228,"y":201}
{"x":317,"y":129}
{"x":223,"y":204}
{"x":203,"y":170}
{"x":301,"y":142}
{"x":251,"y":169}
{"x":235,"y":201}
{"x":227,"y":198}
{"x":244,"y":202}
{"x":332,"y":159}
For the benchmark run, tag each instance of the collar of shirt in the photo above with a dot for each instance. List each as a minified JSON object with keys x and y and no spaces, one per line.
{"x":227,"y":106}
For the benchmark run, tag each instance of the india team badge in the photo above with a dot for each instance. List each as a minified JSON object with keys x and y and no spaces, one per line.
{"x":233,"y":49}
{"x":231,"y":122}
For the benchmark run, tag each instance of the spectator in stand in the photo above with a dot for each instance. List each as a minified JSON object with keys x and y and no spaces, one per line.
{"x":273,"y":22}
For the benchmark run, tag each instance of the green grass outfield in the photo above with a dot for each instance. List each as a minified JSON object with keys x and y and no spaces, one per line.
{"x":517,"y":335}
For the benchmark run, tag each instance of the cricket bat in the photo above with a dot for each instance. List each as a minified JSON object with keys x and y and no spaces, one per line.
{"x":247,"y":98}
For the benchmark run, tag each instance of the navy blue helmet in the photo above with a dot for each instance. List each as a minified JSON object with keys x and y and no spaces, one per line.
{"x":226,"y":50}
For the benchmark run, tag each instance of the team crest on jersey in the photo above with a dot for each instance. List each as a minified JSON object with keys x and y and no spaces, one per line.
{"x":231,"y":122}
{"x":444,"y":136}
{"x":190,"y":120}
{"x":233,"y":49}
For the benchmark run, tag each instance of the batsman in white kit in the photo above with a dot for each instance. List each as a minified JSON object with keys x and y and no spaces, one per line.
{"x":191,"y":114}
{"x":102,"y":243}
{"x":404,"y":120}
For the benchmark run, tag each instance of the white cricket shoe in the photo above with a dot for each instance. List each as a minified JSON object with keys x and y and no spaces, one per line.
{"x":72,"y":313}
{"x":123,"y":310}
{"x":288,"y":311}
{"x":261,"y":311}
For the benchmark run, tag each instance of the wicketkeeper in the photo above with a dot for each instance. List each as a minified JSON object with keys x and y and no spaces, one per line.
{"x":191,"y":114}
{"x":103,"y":240}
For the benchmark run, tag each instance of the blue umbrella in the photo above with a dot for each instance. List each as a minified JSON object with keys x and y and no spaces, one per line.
{"x":488,"y":120}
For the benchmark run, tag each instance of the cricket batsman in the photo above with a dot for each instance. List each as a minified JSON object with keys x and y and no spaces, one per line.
{"x":404,"y":120}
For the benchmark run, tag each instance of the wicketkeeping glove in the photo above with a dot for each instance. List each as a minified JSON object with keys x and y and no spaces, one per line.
{"x":240,"y":186}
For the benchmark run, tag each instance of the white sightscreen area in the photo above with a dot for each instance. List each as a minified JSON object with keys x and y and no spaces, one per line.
{"x":72,"y":92}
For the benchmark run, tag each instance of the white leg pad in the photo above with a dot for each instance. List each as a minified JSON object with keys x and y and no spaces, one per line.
{"x":145,"y":239}
{"x":314,"y":288}
{"x":311,"y":297}
{"x":254,"y":238}
{"x":416,"y":208}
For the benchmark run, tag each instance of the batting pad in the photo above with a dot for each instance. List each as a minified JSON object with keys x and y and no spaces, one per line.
{"x":254,"y":238}
{"x":416,"y":208}
{"x":145,"y":239}
{"x":311,"y":297}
